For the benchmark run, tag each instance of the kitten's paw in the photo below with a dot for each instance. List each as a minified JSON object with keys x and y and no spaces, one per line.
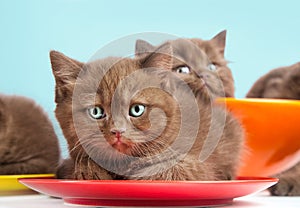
{"x":287,"y":186}
{"x":85,"y":170}
{"x":65,"y":170}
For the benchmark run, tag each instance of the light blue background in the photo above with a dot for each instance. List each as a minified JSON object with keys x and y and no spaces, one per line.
{"x":261,"y":35}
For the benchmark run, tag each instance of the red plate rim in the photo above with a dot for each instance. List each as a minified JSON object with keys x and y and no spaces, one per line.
{"x":150,"y":193}
{"x":242,"y":179}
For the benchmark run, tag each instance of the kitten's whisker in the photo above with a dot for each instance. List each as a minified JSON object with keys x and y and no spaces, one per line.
{"x":77,"y":164}
{"x":77,"y":144}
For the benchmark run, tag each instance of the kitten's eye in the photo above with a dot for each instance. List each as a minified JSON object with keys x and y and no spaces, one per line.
{"x":183,"y":70}
{"x":96,"y":112}
{"x":212,"y":67}
{"x":137,"y":110}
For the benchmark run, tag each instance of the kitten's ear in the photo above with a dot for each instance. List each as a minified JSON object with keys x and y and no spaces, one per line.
{"x":161,"y":58}
{"x":143,"y":47}
{"x":220,"y":41}
{"x":64,"y":68}
{"x":65,"y":71}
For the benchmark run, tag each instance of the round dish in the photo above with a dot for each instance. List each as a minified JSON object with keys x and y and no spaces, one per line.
{"x":9,"y":184}
{"x":271,"y":131}
{"x":149,"y":193}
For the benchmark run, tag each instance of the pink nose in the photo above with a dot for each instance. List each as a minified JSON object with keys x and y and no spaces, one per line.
{"x":118,"y":132}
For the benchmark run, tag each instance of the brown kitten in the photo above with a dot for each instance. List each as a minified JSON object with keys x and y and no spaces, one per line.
{"x":28,"y":144}
{"x":281,"y":83}
{"x":200,"y":58}
{"x":123,"y":120}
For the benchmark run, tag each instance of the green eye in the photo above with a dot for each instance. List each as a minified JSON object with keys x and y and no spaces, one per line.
{"x":96,"y":112}
{"x":212,"y":67}
{"x":183,"y":70}
{"x":136,"y":110}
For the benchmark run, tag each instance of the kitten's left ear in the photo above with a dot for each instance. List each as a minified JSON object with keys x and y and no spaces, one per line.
{"x":219,"y":41}
{"x":143,"y":47}
{"x":161,"y":58}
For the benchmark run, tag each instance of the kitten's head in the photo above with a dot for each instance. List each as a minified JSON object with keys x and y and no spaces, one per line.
{"x":114,"y":109}
{"x":202,"y":59}
{"x":282,"y":83}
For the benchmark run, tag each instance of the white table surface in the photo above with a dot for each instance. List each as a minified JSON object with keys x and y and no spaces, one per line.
{"x":261,"y":199}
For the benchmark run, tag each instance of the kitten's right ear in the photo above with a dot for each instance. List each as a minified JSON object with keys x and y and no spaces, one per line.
{"x":65,"y":71}
{"x":220,"y":41}
{"x":143,"y":47}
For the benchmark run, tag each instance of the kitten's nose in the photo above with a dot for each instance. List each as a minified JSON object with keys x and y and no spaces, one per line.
{"x":117,"y":130}
{"x":204,"y":75}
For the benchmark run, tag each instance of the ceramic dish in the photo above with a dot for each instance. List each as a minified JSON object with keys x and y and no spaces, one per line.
{"x":9,"y":184}
{"x":148,"y":193}
{"x":272,"y":134}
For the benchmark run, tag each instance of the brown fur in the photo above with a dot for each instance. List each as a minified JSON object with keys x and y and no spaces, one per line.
{"x":284,"y":83}
{"x":197,"y":54}
{"x":28,"y":144}
{"x":93,"y":151}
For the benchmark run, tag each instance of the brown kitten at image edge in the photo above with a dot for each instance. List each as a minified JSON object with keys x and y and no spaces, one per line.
{"x":281,"y":83}
{"x":118,"y":128}
{"x":28,"y":144}
{"x":203,"y":59}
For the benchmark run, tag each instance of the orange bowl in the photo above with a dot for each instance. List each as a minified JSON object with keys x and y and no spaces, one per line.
{"x":272,"y":133}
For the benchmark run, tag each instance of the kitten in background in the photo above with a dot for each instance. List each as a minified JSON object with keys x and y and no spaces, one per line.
{"x":203,"y":59}
{"x":281,"y":83}
{"x":143,"y":123}
{"x":28,"y":144}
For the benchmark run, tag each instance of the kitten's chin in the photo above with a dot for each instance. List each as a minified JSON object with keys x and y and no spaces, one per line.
{"x":122,"y":147}
{"x":204,"y":90}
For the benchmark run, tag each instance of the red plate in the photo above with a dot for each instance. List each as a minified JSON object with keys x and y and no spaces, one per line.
{"x":149,"y":193}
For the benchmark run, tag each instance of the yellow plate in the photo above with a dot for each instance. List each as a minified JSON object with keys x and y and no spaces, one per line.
{"x":9,"y":184}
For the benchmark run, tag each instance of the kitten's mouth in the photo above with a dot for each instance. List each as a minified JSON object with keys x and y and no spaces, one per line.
{"x":206,"y":88}
{"x":203,"y":85}
{"x":121,"y":145}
